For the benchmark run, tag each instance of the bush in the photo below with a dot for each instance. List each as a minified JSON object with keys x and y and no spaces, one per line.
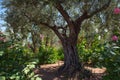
{"x":48,"y":55}
{"x":14,"y":61}
{"x":110,"y":58}
{"x":90,"y":52}
{"x":14,"y":64}
{"x":102,"y":55}
{"x":17,"y":62}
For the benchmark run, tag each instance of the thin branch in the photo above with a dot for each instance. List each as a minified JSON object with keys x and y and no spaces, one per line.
{"x":85,"y":15}
{"x":105,"y":6}
{"x":81,"y":18}
{"x":92,"y":5}
{"x":36,"y":21}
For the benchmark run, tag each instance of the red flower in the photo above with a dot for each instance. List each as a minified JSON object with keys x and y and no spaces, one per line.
{"x":114,"y":38}
{"x":116,"y":10}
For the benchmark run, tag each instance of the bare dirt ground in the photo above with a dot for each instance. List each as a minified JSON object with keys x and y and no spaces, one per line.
{"x":48,"y":72}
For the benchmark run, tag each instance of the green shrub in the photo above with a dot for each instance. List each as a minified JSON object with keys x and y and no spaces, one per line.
{"x":15,"y":60}
{"x":102,"y":55}
{"x":90,"y":52}
{"x":60,"y":54}
{"x":110,"y":58}
{"x":14,"y":64}
{"x":48,"y":55}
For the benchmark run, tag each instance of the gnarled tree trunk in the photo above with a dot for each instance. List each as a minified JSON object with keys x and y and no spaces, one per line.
{"x":71,"y":59}
{"x":72,"y":65}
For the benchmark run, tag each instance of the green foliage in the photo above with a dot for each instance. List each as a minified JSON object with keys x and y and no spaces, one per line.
{"x":60,"y":54}
{"x":28,"y":71}
{"x":48,"y":55}
{"x":89,"y":51}
{"x":110,"y":58}
{"x":102,"y":55}
{"x":15,"y":60}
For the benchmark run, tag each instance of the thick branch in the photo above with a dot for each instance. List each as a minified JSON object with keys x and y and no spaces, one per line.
{"x":63,"y":13}
{"x":57,"y":32}
{"x":54,"y":28}
{"x":66,"y":17}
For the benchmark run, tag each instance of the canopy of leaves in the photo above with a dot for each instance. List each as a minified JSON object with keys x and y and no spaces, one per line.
{"x":46,"y":11}
{"x":22,"y":15}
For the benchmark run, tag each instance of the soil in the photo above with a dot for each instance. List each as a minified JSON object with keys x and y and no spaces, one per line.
{"x":48,"y":72}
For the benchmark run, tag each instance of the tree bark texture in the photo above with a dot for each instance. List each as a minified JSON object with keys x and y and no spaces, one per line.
{"x":72,"y":66}
{"x":71,"y":59}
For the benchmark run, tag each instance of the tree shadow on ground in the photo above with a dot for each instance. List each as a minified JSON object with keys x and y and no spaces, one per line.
{"x":49,"y":72}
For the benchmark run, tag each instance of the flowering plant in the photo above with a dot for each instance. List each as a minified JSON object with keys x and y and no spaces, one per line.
{"x":116,"y":10}
{"x":114,"y":38}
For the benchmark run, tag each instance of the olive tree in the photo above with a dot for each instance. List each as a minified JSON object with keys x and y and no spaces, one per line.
{"x":64,"y":18}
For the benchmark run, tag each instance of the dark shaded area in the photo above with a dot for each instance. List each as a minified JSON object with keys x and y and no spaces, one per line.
{"x":50,"y":74}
